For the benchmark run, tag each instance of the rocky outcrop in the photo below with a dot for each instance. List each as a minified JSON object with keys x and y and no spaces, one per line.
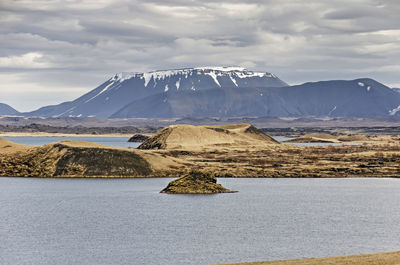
{"x":138,"y":138}
{"x":195,"y":183}
{"x":74,"y":159}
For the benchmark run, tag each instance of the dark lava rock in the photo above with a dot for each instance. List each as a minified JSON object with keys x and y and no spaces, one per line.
{"x":138,"y":138}
{"x":195,"y":183}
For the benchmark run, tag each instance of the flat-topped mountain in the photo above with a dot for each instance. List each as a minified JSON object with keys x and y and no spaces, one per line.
{"x":226,"y":92}
{"x":124,"y":88}
{"x":197,"y":137}
{"x":7,"y":110}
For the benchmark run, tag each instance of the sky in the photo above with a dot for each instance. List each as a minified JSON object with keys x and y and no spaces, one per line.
{"x":53,"y":51}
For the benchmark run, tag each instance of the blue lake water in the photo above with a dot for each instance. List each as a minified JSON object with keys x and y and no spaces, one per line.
{"x":127,"y":221}
{"x":42,"y":140}
{"x":123,"y":141}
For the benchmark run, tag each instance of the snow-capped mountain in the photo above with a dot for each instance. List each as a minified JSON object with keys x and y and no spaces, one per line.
{"x":7,"y":110}
{"x":124,"y":88}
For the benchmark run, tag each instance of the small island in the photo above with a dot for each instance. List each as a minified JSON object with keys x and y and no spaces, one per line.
{"x":196,"y":183}
{"x":138,"y":138}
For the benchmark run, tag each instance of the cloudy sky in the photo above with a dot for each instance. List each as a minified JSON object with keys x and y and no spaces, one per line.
{"x":56,"y":50}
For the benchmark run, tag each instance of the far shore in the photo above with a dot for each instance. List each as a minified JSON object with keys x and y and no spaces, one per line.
{"x":37,"y":134}
{"x":387,"y":258}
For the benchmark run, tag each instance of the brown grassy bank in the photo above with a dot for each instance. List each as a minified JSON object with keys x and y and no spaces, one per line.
{"x":389,"y":258}
{"x":226,"y":151}
{"x":75,"y":159}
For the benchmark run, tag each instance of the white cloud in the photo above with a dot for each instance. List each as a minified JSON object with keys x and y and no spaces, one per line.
{"x":26,"y":94}
{"x":31,"y":60}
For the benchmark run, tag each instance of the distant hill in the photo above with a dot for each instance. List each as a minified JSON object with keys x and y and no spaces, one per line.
{"x":226,"y":92}
{"x":7,"y":110}
{"x":356,"y":98}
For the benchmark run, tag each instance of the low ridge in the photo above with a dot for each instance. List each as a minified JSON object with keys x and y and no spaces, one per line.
{"x":328,"y":138}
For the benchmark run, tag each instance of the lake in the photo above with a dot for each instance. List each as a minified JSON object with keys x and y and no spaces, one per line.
{"x":42,"y":140}
{"x":127,"y":221}
{"x":122,"y":141}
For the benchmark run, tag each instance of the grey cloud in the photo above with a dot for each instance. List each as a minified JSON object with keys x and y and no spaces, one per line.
{"x":297,"y":40}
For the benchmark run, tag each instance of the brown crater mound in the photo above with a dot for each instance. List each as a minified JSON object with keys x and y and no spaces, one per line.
{"x":195,"y":137}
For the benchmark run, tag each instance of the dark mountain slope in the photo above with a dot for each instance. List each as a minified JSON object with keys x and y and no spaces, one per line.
{"x":356,"y":98}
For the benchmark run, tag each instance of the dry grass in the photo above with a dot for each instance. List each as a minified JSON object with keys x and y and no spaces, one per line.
{"x":378,"y":159}
{"x":190,"y":137}
{"x":8,"y":147}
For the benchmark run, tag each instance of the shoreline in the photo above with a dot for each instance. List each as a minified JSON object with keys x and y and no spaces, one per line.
{"x":383,"y":258}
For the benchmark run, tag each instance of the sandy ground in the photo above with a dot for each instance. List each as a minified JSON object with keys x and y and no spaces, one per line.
{"x":390,"y":258}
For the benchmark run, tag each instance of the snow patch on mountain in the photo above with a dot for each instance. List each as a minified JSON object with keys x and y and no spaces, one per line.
{"x":121,"y":77}
{"x":332,"y":110}
{"x":67,"y":111}
{"x":214,"y":77}
{"x":233,"y":80}
{"x":361,"y":84}
{"x":221,"y":68}
{"x":101,"y":92}
{"x":213,"y":71}
{"x":394,"y":111}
